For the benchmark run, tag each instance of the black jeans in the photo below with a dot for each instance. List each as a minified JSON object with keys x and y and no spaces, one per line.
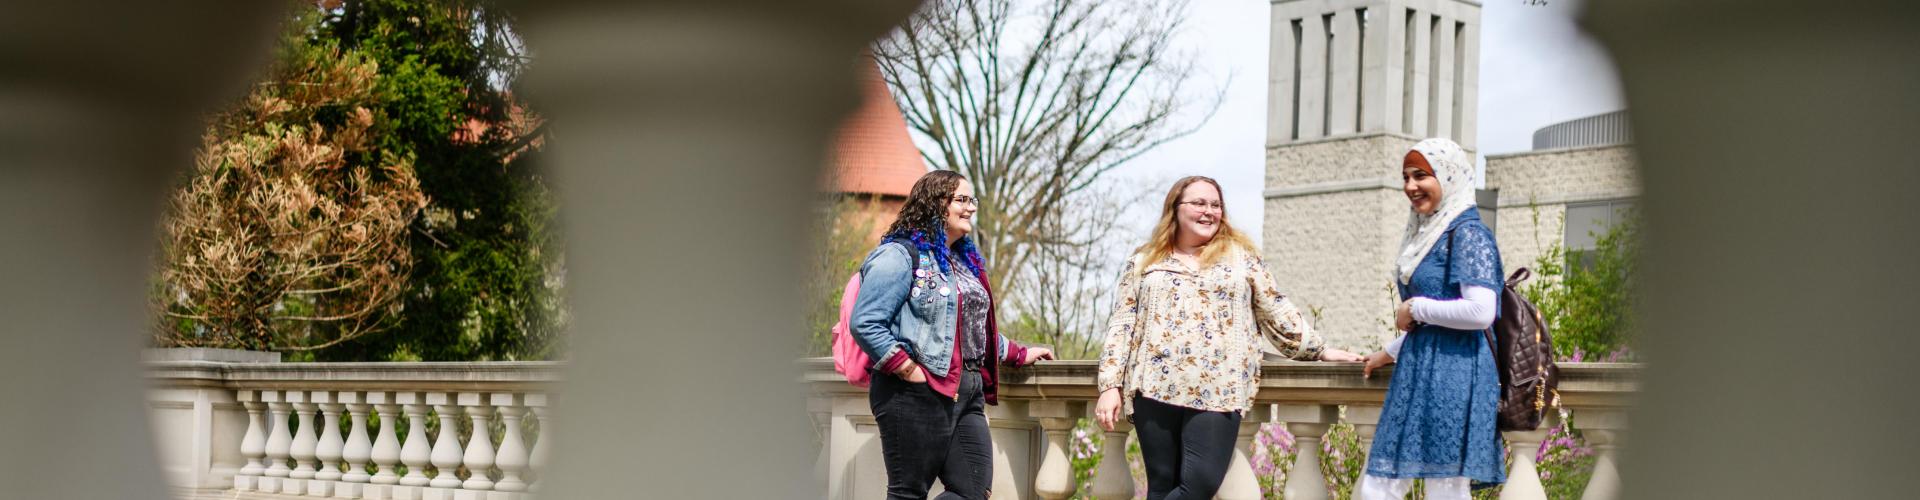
{"x":924,"y":435}
{"x":1186,"y":450}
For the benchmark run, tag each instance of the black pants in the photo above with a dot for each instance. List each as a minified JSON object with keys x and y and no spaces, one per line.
{"x":1186,"y":450}
{"x":924,"y":435}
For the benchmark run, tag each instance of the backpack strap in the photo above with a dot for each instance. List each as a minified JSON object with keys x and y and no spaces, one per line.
{"x":1518,"y":276}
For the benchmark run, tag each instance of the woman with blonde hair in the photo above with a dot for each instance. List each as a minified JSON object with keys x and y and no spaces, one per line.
{"x":1182,"y":357}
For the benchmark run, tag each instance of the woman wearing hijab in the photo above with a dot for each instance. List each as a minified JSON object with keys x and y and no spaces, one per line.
{"x":1438,"y":423}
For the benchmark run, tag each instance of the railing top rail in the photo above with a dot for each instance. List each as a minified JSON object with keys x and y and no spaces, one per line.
{"x":490,"y":376}
{"x":1586,"y":385}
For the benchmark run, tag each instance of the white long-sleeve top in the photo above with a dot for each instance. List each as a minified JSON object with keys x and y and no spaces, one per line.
{"x":1474,"y":310}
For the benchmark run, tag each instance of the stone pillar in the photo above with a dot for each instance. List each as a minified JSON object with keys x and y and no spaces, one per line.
{"x":279,"y":441}
{"x":1365,"y":420}
{"x":1523,"y":478}
{"x":1602,"y":429}
{"x":416,"y":451}
{"x":1312,"y":119}
{"x":657,"y":99}
{"x":1308,"y":424}
{"x":820,"y":410}
{"x":1053,"y":478}
{"x":479,"y":457}
{"x":542,"y":447}
{"x":302,"y":449}
{"x":1241,"y":483}
{"x":446,"y":447}
{"x":386,"y":447}
{"x":1281,"y":83}
{"x":1441,"y":116}
{"x":253,"y":445}
{"x":1113,"y":478}
{"x":330,"y":448}
{"x":1343,"y":77}
{"x":102,"y":104}
{"x":359,"y":448}
{"x":512,"y":458}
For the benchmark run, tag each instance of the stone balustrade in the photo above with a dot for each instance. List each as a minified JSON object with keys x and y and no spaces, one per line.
{"x":268,"y":430}
{"x":1039,"y":406}
{"x":401,"y":431}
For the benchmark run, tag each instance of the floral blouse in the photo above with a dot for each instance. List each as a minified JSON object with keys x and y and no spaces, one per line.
{"x":1192,"y":338}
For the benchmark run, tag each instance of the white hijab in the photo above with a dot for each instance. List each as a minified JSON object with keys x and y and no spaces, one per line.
{"x":1455,"y":171}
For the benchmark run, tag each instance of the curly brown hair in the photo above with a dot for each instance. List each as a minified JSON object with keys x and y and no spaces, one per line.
{"x":926,"y":207}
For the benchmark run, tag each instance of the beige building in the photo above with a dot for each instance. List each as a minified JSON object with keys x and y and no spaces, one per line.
{"x":1575,"y":183}
{"x":1352,"y":85}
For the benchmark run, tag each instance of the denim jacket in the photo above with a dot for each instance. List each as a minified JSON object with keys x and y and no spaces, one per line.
{"x":901,"y":306}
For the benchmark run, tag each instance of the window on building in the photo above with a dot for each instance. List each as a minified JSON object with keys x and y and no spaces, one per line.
{"x":1586,"y":222}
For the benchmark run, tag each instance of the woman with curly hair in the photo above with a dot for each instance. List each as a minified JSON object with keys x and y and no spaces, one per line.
{"x":925,"y":314}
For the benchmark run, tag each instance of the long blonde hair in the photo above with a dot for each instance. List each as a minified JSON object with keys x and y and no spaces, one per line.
{"x":1160,"y":244}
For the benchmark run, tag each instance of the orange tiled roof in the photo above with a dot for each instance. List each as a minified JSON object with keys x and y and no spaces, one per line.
{"x":873,"y":154}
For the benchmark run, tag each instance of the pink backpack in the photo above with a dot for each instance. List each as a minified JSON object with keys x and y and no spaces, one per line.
{"x":848,"y":358}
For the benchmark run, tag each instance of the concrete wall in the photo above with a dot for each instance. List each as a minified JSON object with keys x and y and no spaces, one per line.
{"x":1535,"y":188}
{"x":1334,"y":217}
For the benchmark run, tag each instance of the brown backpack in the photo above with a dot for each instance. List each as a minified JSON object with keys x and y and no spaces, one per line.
{"x":1523,"y":354}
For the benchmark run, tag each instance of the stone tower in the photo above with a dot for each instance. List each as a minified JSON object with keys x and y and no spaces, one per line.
{"x":1352,"y":84}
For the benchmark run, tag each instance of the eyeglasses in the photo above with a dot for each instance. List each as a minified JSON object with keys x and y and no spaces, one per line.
{"x":966,"y":200}
{"x":1204,"y":205}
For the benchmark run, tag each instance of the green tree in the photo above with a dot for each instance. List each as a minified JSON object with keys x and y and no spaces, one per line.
{"x":290,"y":232}
{"x":487,"y":264}
{"x":1586,"y":296}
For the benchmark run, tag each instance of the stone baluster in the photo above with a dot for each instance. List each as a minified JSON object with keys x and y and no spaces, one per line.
{"x":416,"y":450}
{"x":1308,"y":424}
{"x":512,"y":457}
{"x":1053,"y":479}
{"x":1241,"y":483}
{"x":359,"y":447}
{"x":304,"y":439}
{"x":542,"y":446}
{"x":386,"y":447}
{"x":1366,"y":421}
{"x":253,"y":445}
{"x":1113,"y":479}
{"x":279,"y":441}
{"x":1602,"y":429}
{"x":446,"y":448}
{"x":1523,"y":479}
{"x":330,"y":448}
{"x":820,"y":410}
{"x":480,"y":452}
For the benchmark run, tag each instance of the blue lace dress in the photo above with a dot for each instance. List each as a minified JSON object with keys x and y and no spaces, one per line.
{"x":1439,"y":415}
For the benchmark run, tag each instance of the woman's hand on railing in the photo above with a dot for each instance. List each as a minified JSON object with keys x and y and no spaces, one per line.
{"x":1340,"y":356}
{"x":1036,"y":354}
{"x":1376,"y":360}
{"x":1107,"y":410}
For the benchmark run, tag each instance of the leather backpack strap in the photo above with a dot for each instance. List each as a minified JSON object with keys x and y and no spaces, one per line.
{"x":1518,"y":276}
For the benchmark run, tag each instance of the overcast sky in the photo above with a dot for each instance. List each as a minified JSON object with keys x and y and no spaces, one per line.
{"x":1536,"y":69}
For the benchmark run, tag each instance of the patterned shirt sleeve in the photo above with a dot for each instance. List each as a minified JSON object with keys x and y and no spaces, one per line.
{"x":1474,"y":259}
{"x":1278,"y":320}
{"x":1121,"y":332}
